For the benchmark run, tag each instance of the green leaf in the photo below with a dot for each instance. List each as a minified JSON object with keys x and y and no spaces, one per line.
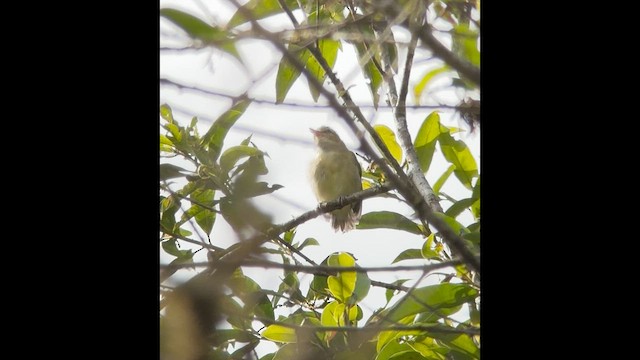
{"x":371,"y":73}
{"x":475,"y":207}
{"x":247,"y":140}
{"x":389,"y":139}
{"x":458,"y":342}
{"x":442,"y":179}
{"x":408,"y":255}
{"x":426,"y":78}
{"x":308,"y":242}
{"x":220,"y":336}
{"x":385,"y":337}
{"x":361,"y":289}
{"x":437,"y":300}
{"x":280,"y":333}
{"x":232,"y":155}
{"x":166,"y":113}
{"x":286,"y":352}
{"x":408,"y":355}
{"x":334,"y":314}
{"x":287,"y":73}
{"x":342,"y":285}
{"x":169,"y":207}
{"x":171,"y":247}
{"x":428,"y":348}
{"x":473,"y":236}
{"x":200,"y":30}
{"x":329,"y":50}
{"x":391,"y":292}
{"x":170,"y":171}
{"x":458,"y":154}
{"x":259,"y":9}
{"x":289,"y":235}
{"x":175,"y":132}
{"x":257,"y":189}
{"x":465,"y":43}
{"x":393,"y":348}
{"x":453,"y":223}
{"x":425,"y":143}
{"x":476,"y":189}
{"x":388,"y":220}
{"x":205,"y":218}
{"x":427,"y":252}
{"x":214,"y":138}
{"x":241,"y":352}
{"x":458,"y":207}
{"x":165,"y":140}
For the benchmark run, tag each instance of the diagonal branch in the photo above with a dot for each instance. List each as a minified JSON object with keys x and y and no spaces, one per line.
{"x":414,"y":172}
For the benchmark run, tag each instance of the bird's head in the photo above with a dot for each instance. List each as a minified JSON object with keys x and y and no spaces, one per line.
{"x":327,"y":139}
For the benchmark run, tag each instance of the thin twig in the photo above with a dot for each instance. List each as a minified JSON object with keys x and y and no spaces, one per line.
{"x":324,"y":270}
{"x":373,"y":329}
{"x":165,"y":81}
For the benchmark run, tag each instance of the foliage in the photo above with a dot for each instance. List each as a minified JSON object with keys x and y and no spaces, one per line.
{"x":221,"y":313}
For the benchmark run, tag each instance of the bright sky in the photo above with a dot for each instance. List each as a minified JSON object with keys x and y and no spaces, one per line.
{"x":291,"y":150}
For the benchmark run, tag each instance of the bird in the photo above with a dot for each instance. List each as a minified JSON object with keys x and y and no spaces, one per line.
{"x":335,"y":173}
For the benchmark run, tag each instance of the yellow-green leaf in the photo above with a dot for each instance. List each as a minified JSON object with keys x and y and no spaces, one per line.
{"x":166,"y":113}
{"x":214,"y":137}
{"x":342,"y":285}
{"x":434,"y":301}
{"x":287,"y":73}
{"x":334,"y":314}
{"x":200,"y":30}
{"x":280,"y":333}
{"x":259,"y":9}
{"x":329,"y":50}
{"x":455,"y":225}
{"x":426,"y":78}
{"x":425,"y":143}
{"x":442,"y":179}
{"x":457,"y":153}
{"x":389,"y":139}
{"x":371,"y":73}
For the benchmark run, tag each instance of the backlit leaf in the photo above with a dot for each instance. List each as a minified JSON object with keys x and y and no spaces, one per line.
{"x":457,"y":153}
{"x":342,"y":285}
{"x":389,"y":139}
{"x":425,"y":142}
{"x":280,"y":333}
{"x":426,"y":79}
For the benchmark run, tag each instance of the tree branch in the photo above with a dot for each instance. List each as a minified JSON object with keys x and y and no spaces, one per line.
{"x":414,"y":172}
{"x":165,"y":81}
{"x":323,"y":270}
{"x":373,"y":329}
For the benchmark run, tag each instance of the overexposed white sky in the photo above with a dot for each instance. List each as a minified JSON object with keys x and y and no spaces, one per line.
{"x":291,"y":150}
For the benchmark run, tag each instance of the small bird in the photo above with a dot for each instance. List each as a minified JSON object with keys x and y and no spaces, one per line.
{"x":335,"y":173}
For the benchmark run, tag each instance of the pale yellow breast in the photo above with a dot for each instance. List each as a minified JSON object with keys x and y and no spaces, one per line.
{"x":335,"y":175}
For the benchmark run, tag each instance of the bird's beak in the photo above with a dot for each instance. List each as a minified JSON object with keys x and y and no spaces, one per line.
{"x":314,"y":131}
